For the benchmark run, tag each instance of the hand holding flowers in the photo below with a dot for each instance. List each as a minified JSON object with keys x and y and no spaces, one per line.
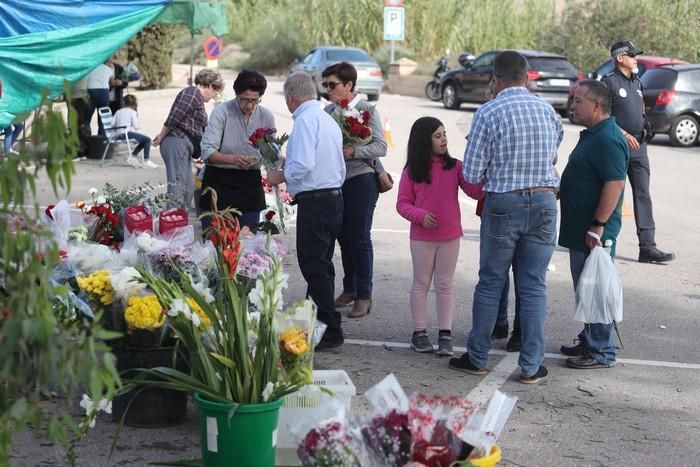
{"x":270,"y":146}
{"x":354,"y":124}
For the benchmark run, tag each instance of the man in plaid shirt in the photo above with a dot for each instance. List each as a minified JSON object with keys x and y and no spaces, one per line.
{"x":512,"y":149}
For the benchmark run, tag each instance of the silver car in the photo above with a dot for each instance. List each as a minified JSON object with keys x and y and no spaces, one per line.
{"x":369,"y":75}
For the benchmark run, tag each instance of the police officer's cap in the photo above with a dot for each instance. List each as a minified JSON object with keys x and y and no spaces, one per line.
{"x":624,"y":48}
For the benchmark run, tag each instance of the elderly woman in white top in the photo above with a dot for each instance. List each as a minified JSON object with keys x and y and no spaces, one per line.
{"x":232,"y":163}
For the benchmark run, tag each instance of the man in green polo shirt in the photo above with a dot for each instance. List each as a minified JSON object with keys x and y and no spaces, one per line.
{"x":591,"y":192}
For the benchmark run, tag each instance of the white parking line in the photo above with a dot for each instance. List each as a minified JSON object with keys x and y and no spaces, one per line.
{"x":481,"y":394}
{"x":551,"y":356}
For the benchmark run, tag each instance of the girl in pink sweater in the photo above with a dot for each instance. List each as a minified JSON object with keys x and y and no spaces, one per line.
{"x":428,"y":198}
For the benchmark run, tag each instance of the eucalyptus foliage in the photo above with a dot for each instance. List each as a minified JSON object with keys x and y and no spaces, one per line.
{"x":40,"y":355}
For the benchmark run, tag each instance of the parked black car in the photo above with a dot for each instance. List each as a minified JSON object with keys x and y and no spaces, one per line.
{"x":550,"y":77}
{"x":672,"y":102}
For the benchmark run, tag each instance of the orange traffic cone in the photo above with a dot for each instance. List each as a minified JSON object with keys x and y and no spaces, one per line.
{"x":387,"y":133}
{"x":625,"y":210}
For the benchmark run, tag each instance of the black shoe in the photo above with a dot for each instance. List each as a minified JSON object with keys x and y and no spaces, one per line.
{"x":464,"y":364}
{"x":577,"y":350}
{"x":654,"y":255}
{"x":514,"y":344}
{"x":327,"y":344}
{"x":586,"y":363}
{"x":540,"y":375}
{"x":500,"y":331}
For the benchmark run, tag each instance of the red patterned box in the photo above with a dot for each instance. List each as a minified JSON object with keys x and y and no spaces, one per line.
{"x":138,"y":219}
{"x":171,"y":219}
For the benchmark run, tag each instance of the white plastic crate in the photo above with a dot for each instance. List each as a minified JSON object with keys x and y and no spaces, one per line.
{"x":297,"y":403}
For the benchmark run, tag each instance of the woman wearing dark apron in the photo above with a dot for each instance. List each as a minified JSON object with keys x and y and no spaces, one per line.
{"x":232,"y":163}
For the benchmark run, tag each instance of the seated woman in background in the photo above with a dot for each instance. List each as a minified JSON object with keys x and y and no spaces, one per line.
{"x":128,"y":118}
{"x":232,"y":163}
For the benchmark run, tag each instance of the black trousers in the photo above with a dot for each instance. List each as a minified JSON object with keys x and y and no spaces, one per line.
{"x":639,"y":174}
{"x":318,"y":224}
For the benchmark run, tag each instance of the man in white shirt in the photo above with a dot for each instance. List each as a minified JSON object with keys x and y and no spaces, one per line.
{"x":314,"y":172}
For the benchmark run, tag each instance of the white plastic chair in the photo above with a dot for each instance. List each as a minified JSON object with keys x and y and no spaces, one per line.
{"x":114,"y":136}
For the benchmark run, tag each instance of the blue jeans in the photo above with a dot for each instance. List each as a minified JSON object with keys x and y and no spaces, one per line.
{"x":360,"y":195}
{"x":597,"y":338}
{"x":144,"y":143}
{"x":98,"y":98}
{"x":318,"y":225}
{"x":520,"y":228}
{"x":502,"y":319}
{"x":12,"y":132}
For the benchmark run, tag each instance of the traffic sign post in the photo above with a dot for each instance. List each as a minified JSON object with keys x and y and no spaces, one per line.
{"x":394,"y":22}
{"x":212,"y":49}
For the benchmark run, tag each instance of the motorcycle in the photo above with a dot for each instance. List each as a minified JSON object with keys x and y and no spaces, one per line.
{"x":433,"y":90}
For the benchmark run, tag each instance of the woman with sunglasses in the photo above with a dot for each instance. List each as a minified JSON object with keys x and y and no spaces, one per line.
{"x":232,"y":163}
{"x":360,"y":193}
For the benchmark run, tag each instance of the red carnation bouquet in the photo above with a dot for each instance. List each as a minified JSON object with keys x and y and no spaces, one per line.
{"x":354,"y":124}
{"x":106,"y":227}
{"x":270,"y":146}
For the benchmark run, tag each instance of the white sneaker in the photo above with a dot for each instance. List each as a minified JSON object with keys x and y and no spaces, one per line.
{"x":150,"y":165}
{"x":134,"y":162}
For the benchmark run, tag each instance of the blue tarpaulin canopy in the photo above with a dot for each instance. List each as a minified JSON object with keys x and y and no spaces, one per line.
{"x":43,"y":43}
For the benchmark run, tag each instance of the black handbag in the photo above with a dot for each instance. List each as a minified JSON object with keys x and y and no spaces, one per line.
{"x":196,"y":146}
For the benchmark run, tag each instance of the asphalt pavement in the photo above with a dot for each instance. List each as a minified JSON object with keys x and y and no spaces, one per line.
{"x":643,"y":411}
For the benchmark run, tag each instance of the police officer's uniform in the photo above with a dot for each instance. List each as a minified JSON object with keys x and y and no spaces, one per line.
{"x":627,"y":106}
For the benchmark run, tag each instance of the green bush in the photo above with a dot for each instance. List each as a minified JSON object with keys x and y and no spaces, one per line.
{"x":383,"y":56}
{"x":274,"y":44}
{"x":586,"y":30}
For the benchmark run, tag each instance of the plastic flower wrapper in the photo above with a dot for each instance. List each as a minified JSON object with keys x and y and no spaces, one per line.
{"x":125,"y":284}
{"x":483,"y":428}
{"x":295,"y":332}
{"x":91,"y":257}
{"x":433,"y":443}
{"x":386,"y":432}
{"x":326,"y":438}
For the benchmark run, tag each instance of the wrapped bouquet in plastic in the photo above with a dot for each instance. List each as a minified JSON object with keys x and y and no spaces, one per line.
{"x":327,"y":439}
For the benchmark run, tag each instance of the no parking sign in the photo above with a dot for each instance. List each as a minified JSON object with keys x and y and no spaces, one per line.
{"x":213,"y":48}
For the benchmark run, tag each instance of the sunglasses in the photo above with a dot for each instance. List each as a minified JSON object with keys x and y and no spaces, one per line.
{"x":246,"y":100}
{"x":330,"y":84}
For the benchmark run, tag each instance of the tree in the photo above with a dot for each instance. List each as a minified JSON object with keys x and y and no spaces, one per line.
{"x":39,"y":353}
{"x":152,"y":50}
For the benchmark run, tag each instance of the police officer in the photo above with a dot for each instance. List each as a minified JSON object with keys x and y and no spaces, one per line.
{"x":627,"y":107}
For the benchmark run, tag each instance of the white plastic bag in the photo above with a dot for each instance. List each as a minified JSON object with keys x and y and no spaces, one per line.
{"x":60,"y":223}
{"x":599,"y":290}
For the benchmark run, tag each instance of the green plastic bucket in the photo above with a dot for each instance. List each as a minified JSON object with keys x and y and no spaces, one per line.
{"x":246,"y":436}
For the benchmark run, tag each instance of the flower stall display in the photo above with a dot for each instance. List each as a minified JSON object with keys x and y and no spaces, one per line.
{"x":270,"y":147}
{"x":225,"y":370}
{"x":420,"y":431}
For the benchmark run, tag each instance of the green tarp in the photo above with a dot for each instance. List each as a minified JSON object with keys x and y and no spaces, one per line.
{"x":196,"y":16}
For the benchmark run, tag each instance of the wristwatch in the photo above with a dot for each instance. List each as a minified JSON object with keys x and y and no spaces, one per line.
{"x":597,"y":223}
